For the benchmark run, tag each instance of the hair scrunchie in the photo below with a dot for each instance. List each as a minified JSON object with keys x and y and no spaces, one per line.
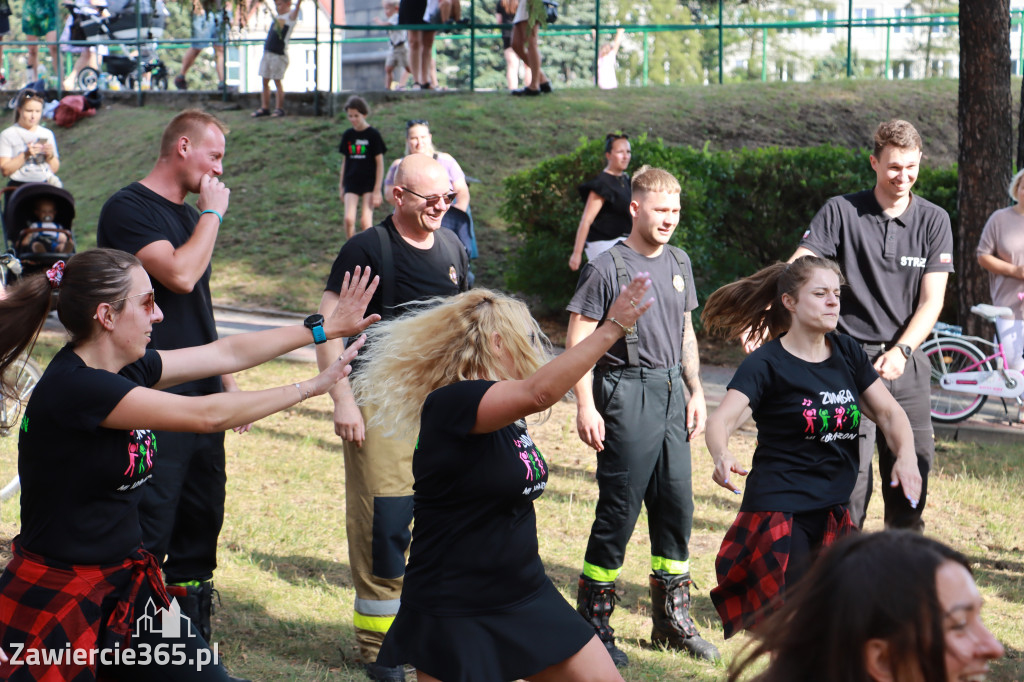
{"x":56,"y":274}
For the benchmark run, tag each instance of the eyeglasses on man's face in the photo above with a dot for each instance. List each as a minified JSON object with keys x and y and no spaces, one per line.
{"x":432,"y":199}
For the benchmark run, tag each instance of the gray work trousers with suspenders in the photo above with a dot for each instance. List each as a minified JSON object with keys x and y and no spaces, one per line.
{"x":646,"y":460}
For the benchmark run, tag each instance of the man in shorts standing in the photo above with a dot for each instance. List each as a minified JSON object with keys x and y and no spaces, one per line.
{"x":274,"y":62}
{"x":207,"y":30}
{"x":896,"y":250}
{"x":415,"y":260}
{"x":632,"y":410}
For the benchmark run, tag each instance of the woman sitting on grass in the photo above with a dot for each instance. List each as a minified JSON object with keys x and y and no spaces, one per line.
{"x":476,"y":603}
{"x":80,"y":578}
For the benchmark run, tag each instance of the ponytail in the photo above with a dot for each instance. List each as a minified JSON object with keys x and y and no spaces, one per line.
{"x":23,"y":309}
{"x":753,"y":305}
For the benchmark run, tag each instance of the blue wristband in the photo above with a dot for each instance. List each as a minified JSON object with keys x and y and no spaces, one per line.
{"x":210,"y":210}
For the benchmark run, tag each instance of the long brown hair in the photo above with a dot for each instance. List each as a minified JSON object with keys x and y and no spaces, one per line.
{"x":89,"y":278}
{"x":754,"y":303}
{"x":866,"y":586}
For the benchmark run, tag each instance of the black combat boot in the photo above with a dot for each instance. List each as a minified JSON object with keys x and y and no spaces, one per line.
{"x":196,"y":602}
{"x":595,"y":601}
{"x":670,"y":610}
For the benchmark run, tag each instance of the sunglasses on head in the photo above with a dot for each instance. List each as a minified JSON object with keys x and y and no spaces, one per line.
{"x":416,"y":122}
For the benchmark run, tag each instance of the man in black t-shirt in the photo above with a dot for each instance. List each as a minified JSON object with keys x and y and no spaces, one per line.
{"x":632,"y":411}
{"x":420,"y":261}
{"x":896,"y":250}
{"x":182,"y":508}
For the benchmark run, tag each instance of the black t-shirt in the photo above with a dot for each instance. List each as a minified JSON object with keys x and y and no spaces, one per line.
{"x":134,"y":218}
{"x":360,"y":149}
{"x":807,"y":418}
{"x":81,"y":483}
{"x":474,"y":538}
{"x":883,"y":258}
{"x":613,"y":220}
{"x":661,"y":329}
{"x":417,"y":273}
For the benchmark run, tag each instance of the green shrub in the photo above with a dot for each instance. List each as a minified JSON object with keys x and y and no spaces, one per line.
{"x":741,"y":210}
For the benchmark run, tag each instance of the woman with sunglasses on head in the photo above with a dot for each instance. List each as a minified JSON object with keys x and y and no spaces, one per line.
{"x":807,"y":390}
{"x":80,"y":578}
{"x":606,"y":219}
{"x":28,"y":151}
{"x":476,"y":603}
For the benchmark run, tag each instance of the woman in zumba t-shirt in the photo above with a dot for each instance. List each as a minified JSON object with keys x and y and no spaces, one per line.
{"x":80,"y":579}
{"x":476,"y":603}
{"x":807,"y":389}
{"x":606,"y":218}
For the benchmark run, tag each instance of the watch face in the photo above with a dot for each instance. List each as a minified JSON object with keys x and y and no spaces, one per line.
{"x":314,"y":320}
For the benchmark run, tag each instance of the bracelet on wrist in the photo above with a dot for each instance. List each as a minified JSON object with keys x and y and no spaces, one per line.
{"x":302,"y":394}
{"x":628,"y":330}
{"x":210,"y":210}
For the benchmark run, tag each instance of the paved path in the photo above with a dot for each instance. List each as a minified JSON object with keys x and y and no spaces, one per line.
{"x":991,"y":425}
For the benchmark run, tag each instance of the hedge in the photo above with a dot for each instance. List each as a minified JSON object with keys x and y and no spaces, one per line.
{"x":741,"y":209}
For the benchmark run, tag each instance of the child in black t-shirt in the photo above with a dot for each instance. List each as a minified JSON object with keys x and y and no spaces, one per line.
{"x":362,"y":167}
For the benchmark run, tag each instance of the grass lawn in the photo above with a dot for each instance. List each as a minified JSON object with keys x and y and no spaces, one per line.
{"x":284,"y":578}
{"x":284,"y":574}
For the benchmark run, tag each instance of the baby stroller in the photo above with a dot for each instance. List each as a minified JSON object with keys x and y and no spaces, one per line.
{"x":18,"y":215}
{"x":118,"y":24}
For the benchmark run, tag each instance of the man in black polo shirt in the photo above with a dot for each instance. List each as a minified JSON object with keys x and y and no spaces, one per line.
{"x":415,"y":260}
{"x":896,"y":250}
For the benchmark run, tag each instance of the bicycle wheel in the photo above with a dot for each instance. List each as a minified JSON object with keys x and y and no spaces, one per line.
{"x":948,"y":355}
{"x":22,"y":377}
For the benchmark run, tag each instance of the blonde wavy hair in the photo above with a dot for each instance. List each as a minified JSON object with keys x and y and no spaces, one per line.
{"x":440,"y":342}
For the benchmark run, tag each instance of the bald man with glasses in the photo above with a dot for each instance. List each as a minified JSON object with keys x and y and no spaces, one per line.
{"x":416,"y":260}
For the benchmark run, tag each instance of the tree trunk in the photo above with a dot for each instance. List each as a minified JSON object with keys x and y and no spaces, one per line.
{"x":986,"y":140}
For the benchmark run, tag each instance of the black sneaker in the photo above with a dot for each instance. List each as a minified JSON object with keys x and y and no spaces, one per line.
{"x":545,"y":87}
{"x":525,"y":92}
{"x":382,"y":673}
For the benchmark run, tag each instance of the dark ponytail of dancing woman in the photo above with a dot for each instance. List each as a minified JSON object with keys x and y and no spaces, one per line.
{"x":755,"y":303}
{"x":88,"y":279}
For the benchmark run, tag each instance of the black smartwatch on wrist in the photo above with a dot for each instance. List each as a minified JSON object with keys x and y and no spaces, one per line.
{"x":905,"y":349}
{"x":315,"y":324}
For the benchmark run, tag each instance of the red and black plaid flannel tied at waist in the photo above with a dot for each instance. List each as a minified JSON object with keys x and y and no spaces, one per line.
{"x":50,"y":605}
{"x":751,"y":565}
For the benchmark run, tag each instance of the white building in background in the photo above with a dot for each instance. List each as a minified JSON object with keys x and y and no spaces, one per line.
{"x":891,"y":50}
{"x":355,"y":66}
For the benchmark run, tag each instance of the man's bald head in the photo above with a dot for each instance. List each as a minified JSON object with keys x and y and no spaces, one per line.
{"x":420,"y":171}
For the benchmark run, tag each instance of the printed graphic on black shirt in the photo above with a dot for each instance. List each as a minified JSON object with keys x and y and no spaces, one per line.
{"x":141,"y":451}
{"x":834,"y":417}
{"x":536,"y":467}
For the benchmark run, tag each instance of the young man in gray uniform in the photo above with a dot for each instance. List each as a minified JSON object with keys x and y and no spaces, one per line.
{"x":633,"y":412}
{"x":896,"y":250}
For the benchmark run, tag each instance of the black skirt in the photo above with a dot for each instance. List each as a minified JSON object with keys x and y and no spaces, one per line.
{"x":492,"y":647}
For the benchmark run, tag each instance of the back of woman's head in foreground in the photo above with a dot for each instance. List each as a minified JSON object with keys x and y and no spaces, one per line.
{"x":755,"y":302}
{"x":869,"y":586}
{"x":88,"y":279}
{"x":479,"y":334}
